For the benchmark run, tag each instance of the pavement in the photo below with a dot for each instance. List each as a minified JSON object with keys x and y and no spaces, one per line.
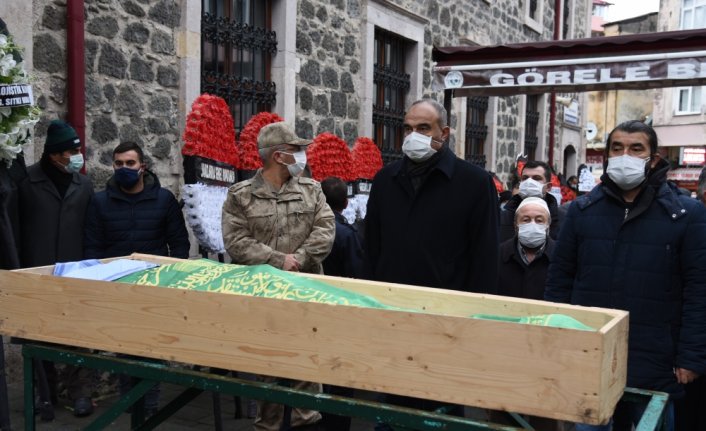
{"x":197,"y":415}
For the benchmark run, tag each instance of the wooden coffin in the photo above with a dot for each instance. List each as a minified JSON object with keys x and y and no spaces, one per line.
{"x":438,"y":353}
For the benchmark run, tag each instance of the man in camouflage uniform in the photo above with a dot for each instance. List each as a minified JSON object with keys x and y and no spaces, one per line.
{"x":281,"y":219}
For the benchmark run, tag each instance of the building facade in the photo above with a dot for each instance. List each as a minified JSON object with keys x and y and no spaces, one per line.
{"x":349,"y":67}
{"x":679,"y":117}
{"x":608,"y":108}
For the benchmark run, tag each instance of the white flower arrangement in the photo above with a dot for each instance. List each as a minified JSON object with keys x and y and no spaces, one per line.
{"x":16,"y":122}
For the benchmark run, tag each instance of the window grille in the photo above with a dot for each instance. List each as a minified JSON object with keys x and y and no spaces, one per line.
{"x":476,"y":129}
{"x":390,"y":87}
{"x":236,"y":49}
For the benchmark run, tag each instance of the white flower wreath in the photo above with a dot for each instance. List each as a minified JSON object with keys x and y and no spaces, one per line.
{"x":17,"y":122}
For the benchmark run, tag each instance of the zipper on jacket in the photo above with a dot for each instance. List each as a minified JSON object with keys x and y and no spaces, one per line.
{"x":627,"y":210}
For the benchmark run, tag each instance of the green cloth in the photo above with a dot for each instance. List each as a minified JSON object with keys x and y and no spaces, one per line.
{"x":269,"y":282}
{"x":258,"y":280}
{"x":553,"y":320}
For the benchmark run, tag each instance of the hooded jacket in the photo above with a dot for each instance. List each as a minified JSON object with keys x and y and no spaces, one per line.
{"x":648,"y":258}
{"x":151,"y":222}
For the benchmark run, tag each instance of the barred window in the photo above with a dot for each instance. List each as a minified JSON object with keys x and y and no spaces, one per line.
{"x":476,"y":129}
{"x":390,"y":86}
{"x":531,"y":126}
{"x":533,"y":10}
{"x":236,"y":49}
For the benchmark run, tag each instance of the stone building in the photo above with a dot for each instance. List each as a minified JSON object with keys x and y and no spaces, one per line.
{"x":344,"y":66}
{"x":607,"y":108}
{"x":679,"y":114}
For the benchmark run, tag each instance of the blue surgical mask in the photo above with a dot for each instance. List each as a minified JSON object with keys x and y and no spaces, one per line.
{"x":126,"y":177}
{"x":75,"y":163}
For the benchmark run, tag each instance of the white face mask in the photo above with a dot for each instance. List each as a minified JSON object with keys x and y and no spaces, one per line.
{"x":417,"y":147}
{"x":530,"y":188}
{"x":532,"y":235}
{"x":627,"y":172}
{"x":299,"y":164}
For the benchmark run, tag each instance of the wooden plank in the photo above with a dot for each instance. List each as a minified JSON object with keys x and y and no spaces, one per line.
{"x":440,"y":354}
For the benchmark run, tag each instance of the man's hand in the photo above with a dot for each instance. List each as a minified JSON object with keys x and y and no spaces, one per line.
{"x":685,"y":376}
{"x":290,"y":263}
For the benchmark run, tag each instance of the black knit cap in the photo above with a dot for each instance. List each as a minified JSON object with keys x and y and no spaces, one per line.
{"x":60,"y":137}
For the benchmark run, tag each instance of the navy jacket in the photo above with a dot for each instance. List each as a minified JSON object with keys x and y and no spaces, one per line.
{"x":445,"y":235}
{"x":346,"y":257}
{"x":648,"y":259}
{"x":117,"y":225}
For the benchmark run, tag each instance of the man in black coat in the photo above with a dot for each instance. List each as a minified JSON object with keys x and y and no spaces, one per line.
{"x":535,"y":181}
{"x":346,"y":257}
{"x":53,"y":199}
{"x":345,"y":260}
{"x":432,"y":218}
{"x":524,"y":258}
{"x":524,"y":262}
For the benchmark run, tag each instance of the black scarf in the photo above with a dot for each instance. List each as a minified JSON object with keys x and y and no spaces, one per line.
{"x":418,"y":172}
{"x":61,"y":180}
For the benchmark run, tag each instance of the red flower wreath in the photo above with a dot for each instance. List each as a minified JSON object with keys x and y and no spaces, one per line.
{"x":209,"y":131}
{"x":567,"y":194}
{"x":247,"y":144}
{"x":329,"y":156}
{"x":367,"y":159}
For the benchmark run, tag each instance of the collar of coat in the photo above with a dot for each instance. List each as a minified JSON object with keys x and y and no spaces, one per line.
{"x":152,"y":186}
{"x":291,"y":189}
{"x":664,"y":193}
{"x":508,"y":250}
{"x":36,"y":174}
{"x":445,"y":164}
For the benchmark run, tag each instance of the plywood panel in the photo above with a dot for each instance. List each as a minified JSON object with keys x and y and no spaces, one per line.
{"x":440,"y":354}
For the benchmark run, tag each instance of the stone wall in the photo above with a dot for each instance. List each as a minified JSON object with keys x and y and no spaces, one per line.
{"x":132,"y":80}
{"x":330,"y":40}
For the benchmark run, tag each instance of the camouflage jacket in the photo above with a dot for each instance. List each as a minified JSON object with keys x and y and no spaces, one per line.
{"x":262,"y":225}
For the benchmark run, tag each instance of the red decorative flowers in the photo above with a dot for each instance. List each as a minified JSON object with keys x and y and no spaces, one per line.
{"x":247,"y":145}
{"x":329,"y":156}
{"x":209,"y":131}
{"x":367,"y":160}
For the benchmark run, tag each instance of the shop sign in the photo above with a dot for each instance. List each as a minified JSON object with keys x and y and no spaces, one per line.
{"x":692,"y":156}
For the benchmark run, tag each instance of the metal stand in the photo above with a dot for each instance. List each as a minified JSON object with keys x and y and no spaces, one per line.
{"x":196,"y":382}
{"x":4,"y":402}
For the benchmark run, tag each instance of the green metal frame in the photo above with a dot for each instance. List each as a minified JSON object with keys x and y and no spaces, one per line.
{"x":196,"y":382}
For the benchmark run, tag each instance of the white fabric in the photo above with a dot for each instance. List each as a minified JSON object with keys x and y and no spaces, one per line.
{"x":204,"y":208}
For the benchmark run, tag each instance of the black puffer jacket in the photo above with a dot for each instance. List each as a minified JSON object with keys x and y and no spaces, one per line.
{"x":152,"y":222}
{"x":649,"y":259}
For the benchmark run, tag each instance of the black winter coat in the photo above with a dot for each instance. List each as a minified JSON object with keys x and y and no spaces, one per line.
{"x":445,"y":235}
{"x":648,"y":259}
{"x":10,"y":212}
{"x":51,"y":227}
{"x":507,"y":217}
{"x":346,"y":257}
{"x":519,"y":280}
{"x":118,"y":224}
